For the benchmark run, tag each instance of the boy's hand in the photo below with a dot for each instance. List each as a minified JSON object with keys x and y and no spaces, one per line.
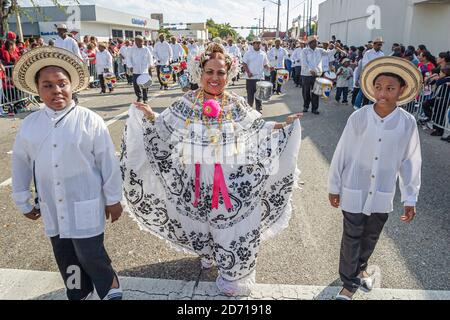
{"x":34,"y":214}
{"x":114,"y":211}
{"x":335,"y":200}
{"x":410,"y":213}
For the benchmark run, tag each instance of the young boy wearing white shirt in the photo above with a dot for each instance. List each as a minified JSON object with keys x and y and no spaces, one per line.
{"x":68,"y":153}
{"x":380,"y":143}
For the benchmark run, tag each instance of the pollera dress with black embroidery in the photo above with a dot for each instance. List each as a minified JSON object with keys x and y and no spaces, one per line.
{"x":160,"y":162}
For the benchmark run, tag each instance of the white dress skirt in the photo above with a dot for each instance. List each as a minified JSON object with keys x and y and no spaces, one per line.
{"x":259,"y":164}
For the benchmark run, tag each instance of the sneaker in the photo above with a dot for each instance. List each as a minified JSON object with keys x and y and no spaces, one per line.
{"x":366,"y":284}
{"x":116,"y":293}
{"x":139,"y":100}
{"x":355,"y":108}
{"x":305,"y":110}
{"x":343,"y":297}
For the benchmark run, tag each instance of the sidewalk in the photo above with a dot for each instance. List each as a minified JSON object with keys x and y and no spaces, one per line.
{"x":36,"y":285}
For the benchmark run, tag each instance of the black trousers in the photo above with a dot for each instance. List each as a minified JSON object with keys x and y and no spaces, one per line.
{"x":308,"y":96}
{"x":251,"y":90}
{"x":158,"y":72}
{"x":102,"y":82}
{"x":360,"y":236}
{"x":342,"y":91}
{"x":273,"y":79}
{"x":140,"y":93}
{"x":298,"y":75}
{"x":354,"y":95}
{"x":129,"y":78}
{"x":83,"y":264}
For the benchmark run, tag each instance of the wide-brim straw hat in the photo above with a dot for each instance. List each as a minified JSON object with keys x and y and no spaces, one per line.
{"x":312,"y":38}
{"x":33,"y":61}
{"x":401,"y":67}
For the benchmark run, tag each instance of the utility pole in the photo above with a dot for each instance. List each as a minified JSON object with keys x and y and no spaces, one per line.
{"x":278,"y":20}
{"x":304,"y":17}
{"x":264,"y":20}
{"x":18,"y":21}
{"x":310,"y":18}
{"x":287,"y":23}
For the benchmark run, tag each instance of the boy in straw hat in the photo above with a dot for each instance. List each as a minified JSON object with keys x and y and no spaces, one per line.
{"x":380,"y":143}
{"x":66,"y":150}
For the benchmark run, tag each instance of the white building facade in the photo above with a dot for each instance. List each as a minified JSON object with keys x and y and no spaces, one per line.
{"x":409,"y":22}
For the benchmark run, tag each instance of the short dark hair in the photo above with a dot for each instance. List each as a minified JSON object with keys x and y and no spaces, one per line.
{"x":391,"y":75}
{"x":38,"y":74}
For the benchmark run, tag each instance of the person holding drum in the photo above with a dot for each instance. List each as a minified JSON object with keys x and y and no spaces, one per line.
{"x":254,"y":63}
{"x":163,"y":56}
{"x":276,"y":57}
{"x":209,"y":175}
{"x":178,"y":55}
{"x":140,"y":61}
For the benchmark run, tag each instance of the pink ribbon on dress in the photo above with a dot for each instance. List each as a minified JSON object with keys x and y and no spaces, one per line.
{"x":197,"y":184}
{"x":220,"y":187}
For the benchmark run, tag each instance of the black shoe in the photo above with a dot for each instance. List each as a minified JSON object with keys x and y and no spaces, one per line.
{"x":305,"y":110}
{"x":446,"y":139}
{"x":139,"y":100}
{"x":161,"y":87}
{"x":316,"y":112}
{"x":145,"y":101}
{"x":437,"y":133}
{"x":166,"y":88}
{"x":102,"y":92}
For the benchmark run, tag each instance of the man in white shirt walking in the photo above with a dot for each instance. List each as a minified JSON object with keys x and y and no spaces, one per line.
{"x":193,"y":49}
{"x":233,"y":51}
{"x":311,"y":58}
{"x":297,"y":63}
{"x":163,"y":56}
{"x":65,"y":42}
{"x":140,"y":60}
{"x":123,"y":55}
{"x":276,"y":58}
{"x":254,"y":63}
{"x":104,"y":63}
{"x":178,"y":54}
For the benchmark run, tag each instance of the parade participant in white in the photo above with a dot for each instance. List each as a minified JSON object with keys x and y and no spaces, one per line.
{"x":297,"y":63}
{"x":379,"y":146}
{"x":255,"y":62}
{"x":311,"y":59}
{"x":174,"y":174}
{"x":63,"y":41}
{"x":124,"y":56}
{"x":140,"y":60}
{"x":163,"y":56}
{"x":276,"y":58}
{"x":104,"y":63}
{"x":66,"y":149}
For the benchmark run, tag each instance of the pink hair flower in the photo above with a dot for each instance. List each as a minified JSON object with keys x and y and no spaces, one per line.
{"x":211,"y":108}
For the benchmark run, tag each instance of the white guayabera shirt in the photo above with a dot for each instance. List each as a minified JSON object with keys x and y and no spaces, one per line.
{"x":372,"y":154}
{"x":140,"y":59}
{"x":77,"y":172}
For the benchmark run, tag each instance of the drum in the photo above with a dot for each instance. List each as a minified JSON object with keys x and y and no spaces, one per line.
{"x":323,"y":87}
{"x":263,"y":90}
{"x":165,"y":75}
{"x":110,"y":79}
{"x":330,"y":75}
{"x":144,"y":81}
{"x":176,"y":67}
{"x":282,"y":77}
{"x":184,"y":83}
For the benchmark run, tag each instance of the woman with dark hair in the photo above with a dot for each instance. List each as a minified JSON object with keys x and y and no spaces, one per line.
{"x":427,"y":63}
{"x":9,"y":54}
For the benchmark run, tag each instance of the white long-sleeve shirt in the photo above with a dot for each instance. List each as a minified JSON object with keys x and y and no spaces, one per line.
{"x":371,"y":55}
{"x":123,"y":53}
{"x":140,"y":59}
{"x":103,"y":61}
{"x":193,"y":50}
{"x":312,"y":61}
{"x":77,"y":172}
{"x":69,"y":44}
{"x":372,"y":153}
{"x":296,"y":57}
{"x":234,"y":51}
{"x":163,"y":53}
{"x":276,"y":57}
{"x":177,"y":51}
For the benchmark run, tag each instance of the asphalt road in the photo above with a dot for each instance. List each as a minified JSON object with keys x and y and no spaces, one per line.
{"x":408,"y":256}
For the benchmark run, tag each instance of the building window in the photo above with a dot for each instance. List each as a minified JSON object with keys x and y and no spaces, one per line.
{"x":117,"y":33}
{"x":138,"y":33}
{"x":129,"y":34}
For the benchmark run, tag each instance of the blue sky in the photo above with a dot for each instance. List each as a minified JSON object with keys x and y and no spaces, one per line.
{"x":237,"y":12}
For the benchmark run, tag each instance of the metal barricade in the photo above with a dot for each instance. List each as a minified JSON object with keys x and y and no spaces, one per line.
{"x":12,"y":100}
{"x":94,"y":80}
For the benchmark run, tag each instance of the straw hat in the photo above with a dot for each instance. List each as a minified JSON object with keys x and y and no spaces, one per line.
{"x":312,"y":38}
{"x":378,"y":40}
{"x":401,"y":67}
{"x":33,"y":61}
{"x":61,"y":26}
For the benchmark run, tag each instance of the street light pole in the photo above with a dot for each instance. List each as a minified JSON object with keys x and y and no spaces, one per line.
{"x":264,"y":20}
{"x":278,"y":20}
{"x":287,"y":23}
